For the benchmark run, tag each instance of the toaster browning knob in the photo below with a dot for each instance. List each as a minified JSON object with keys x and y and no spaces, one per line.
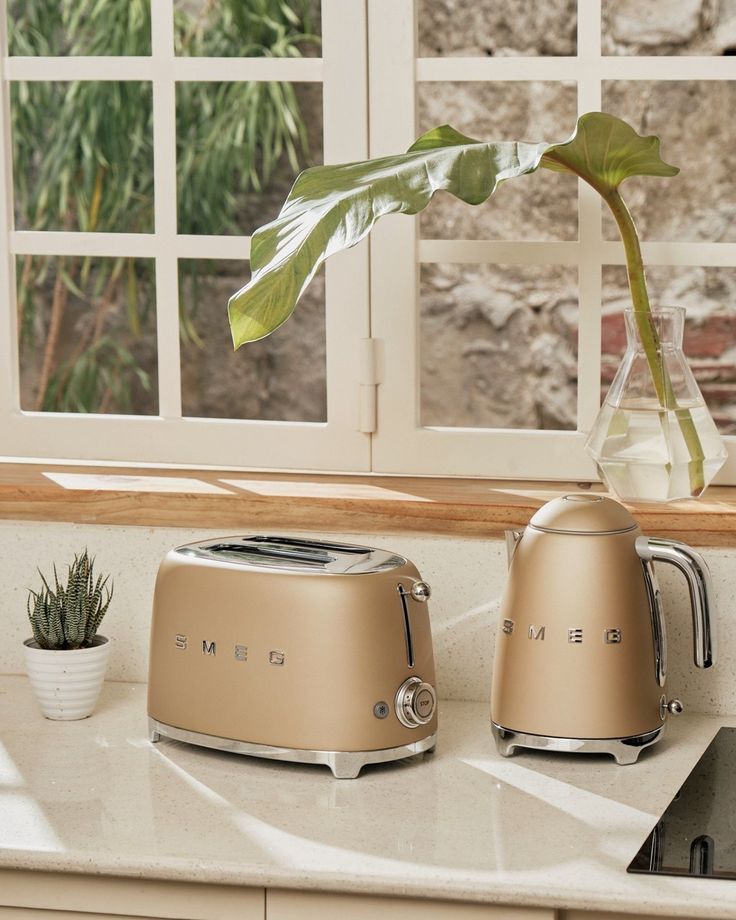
{"x":421,"y":591}
{"x":415,"y":703}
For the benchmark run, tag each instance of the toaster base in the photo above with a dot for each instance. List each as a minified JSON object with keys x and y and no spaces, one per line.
{"x":344,"y":764}
{"x":624,"y":750}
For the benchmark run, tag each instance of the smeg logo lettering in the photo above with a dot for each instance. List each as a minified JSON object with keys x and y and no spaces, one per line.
{"x":575,"y":634}
{"x":239,"y":652}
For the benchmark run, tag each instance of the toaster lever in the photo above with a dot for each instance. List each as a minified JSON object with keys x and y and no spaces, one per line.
{"x":420,"y":592}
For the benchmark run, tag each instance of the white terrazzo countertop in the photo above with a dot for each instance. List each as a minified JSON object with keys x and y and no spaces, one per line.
{"x":95,"y":797}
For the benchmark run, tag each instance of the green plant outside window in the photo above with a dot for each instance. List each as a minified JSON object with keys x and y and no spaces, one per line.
{"x":83,"y":160}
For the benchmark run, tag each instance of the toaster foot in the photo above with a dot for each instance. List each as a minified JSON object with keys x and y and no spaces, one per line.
{"x":346,"y":766}
{"x":623,"y":750}
{"x":349,"y":765}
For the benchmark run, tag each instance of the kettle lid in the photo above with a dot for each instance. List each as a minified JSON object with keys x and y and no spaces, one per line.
{"x":583,"y":513}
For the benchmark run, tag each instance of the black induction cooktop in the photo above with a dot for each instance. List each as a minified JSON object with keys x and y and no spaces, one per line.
{"x":697,"y":833}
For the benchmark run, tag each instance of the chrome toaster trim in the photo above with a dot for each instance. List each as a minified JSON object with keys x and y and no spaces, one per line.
{"x":344,"y":764}
{"x":261,"y":552}
{"x":624,"y":750}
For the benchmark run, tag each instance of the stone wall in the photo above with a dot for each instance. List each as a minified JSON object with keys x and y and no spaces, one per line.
{"x":280,"y":378}
{"x":498,"y":343}
{"x":669,"y":27}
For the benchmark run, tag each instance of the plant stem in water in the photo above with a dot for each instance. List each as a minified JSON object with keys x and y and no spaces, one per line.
{"x":650,"y":339}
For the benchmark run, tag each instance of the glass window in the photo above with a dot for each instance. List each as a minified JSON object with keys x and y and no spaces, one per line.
{"x":106,"y":205}
{"x":70,"y":27}
{"x":497,"y":343}
{"x":257,"y":28}
{"x":239,"y":149}
{"x":498,"y":346}
{"x":281,"y":378}
{"x":82,"y":155}
{"x":668,"y":27}
{"x":699,"y":203}
{"x":87,"y":335}
{"x":489,"y":28}
{"x":542,"y":206}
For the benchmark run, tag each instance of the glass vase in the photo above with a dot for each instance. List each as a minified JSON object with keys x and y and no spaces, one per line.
{"x":654,"y":438}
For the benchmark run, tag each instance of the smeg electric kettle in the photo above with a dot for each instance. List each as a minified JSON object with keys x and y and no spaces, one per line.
{"x":581,"y":653}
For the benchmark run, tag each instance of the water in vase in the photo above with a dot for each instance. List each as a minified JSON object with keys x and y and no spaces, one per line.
{"x":641,"y":449}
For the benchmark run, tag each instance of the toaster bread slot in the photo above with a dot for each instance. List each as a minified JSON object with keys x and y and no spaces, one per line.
{"x":404,"y":595}
{"x":239,"y":550}
{"x":342,"y":549}
{"x":295,"y":555}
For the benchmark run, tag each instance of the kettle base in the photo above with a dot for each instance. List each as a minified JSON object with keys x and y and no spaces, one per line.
{"x":624,"y":750}
{"x":344,"y":764}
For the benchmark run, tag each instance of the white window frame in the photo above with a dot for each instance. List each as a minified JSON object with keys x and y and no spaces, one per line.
{"x":169,"y":438}
{"x":401,"y":444}
{"x":369,"y":73}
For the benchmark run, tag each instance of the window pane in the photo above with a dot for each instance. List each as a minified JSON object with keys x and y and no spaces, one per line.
{"x":499,"y":346}
{"x":82,"y":156}
{"x":281,"y":378}
{"x":668,"y":27}
{"x":487,"y":28}
{"x":87,"y":334}
{"x":259,"y":28}
{"x":699,"y":203}
{"x":540,"y":206}
{"x":239,"y":149}
{"x":709,"y":296}
{"x":67,"y":27}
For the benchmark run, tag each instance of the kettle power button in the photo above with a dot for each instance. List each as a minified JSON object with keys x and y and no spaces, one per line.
{"x":415,"y":703}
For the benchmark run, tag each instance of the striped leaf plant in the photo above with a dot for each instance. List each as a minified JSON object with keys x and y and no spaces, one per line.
{"x":68,"y":615}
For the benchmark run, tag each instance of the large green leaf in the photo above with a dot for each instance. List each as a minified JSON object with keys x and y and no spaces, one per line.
{"x":604,"y":151}
{"x":331,"y":208}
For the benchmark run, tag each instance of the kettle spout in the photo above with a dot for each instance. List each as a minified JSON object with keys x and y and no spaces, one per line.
{"x":513,"y":538}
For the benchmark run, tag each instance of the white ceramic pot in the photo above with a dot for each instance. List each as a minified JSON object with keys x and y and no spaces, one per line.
{"x":67,"y":683}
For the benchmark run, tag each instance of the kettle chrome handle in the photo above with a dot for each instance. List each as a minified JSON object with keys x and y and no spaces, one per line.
{"x":659,"y":626}
{"x":694,"y":568}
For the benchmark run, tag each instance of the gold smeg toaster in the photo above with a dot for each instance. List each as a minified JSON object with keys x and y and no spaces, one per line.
{"x":292,"y":649}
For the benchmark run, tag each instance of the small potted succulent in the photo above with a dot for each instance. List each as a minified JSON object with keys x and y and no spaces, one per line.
{"x":66,"y":658}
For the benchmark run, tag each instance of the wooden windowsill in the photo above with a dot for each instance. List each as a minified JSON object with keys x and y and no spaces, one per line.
{"x":239,"y":501}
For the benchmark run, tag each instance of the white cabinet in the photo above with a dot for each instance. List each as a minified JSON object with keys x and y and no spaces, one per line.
{"x":65,"y":896}
{"x":299,"y":905}
{"x":603,"y":915}
{"x":34,"y":913}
